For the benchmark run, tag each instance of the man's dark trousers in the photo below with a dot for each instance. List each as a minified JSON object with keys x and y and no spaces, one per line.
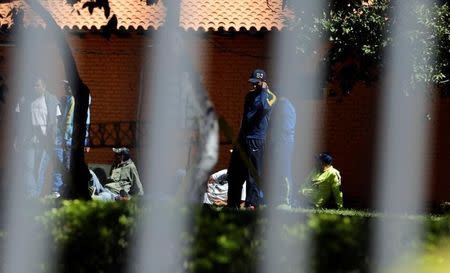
{"x":245,"y":165}
{"x":255,"y":152}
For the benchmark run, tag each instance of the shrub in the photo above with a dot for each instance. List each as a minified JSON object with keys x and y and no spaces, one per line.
{"x":95,"y":237}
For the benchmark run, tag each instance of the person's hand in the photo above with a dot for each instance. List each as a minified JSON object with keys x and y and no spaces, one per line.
{"x":219,"y":202}
{"x":87,"y":149}
{"x":211,"y":180}
{"x":124,"y":198}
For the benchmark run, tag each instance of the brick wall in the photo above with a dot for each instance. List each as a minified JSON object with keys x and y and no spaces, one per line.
{"x":5,"y":60}
{"x":348,"y":133}
{"x":111,"y":68}
{"x":227,"y":66}
{"x":440,"y":183}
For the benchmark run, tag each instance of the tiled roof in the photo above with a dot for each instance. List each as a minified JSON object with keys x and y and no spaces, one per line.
{"x":136,"y":14}
{"x":237,"y":14}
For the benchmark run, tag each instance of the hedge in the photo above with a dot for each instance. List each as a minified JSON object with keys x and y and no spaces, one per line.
{"x":95,"y":237}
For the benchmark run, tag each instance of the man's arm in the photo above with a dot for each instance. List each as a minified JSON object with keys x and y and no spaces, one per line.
{"x":87,"y":140}
{"x":136,"y":186}
{"x":69,"y":119}
{"x":336,"y":189}
{"x":268,"y":98}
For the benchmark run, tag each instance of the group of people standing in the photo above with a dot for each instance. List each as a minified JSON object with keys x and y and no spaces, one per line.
{"x":44,"y":136}
{"x":44,"y":142}
{"x":268,"y":123}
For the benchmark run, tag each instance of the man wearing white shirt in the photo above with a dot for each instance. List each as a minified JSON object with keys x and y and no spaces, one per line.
{"x":44,"y":113}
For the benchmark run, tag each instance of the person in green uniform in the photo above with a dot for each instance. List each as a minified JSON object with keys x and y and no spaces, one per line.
{"x":322,"y":189}
{"x":123,"y":182}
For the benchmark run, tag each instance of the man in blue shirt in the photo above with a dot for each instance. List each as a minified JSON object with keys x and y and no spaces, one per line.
{"x":247,"y":157}
{"x":280,"y":150}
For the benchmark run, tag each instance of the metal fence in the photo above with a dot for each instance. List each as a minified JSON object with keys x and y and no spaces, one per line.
{"x":124,"y":134}
{"x":115,"y":134}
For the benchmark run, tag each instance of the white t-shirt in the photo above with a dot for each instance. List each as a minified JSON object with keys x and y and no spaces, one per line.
{"x":218,"y":189}
{"x":39,"y":113}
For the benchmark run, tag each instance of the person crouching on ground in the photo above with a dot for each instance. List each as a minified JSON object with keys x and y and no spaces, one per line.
{"x":323,"y":186}
{"x":123,"y":182}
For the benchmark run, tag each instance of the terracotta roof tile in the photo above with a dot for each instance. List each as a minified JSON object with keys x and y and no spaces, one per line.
{"x":136,"y":14}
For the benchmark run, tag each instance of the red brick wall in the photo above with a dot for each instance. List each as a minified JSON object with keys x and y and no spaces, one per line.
{"x":228,"y":64}
{"x":111,"y":69}
{"x":5,"y":60}
{"x":440,"y":183}
{"x":349,"y":129}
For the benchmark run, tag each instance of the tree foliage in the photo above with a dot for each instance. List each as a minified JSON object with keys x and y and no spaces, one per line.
{"x":362,"y":31}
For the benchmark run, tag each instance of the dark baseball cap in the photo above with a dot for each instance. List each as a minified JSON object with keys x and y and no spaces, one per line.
{"x":258,"y":75}
{"x":325,"y":158}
